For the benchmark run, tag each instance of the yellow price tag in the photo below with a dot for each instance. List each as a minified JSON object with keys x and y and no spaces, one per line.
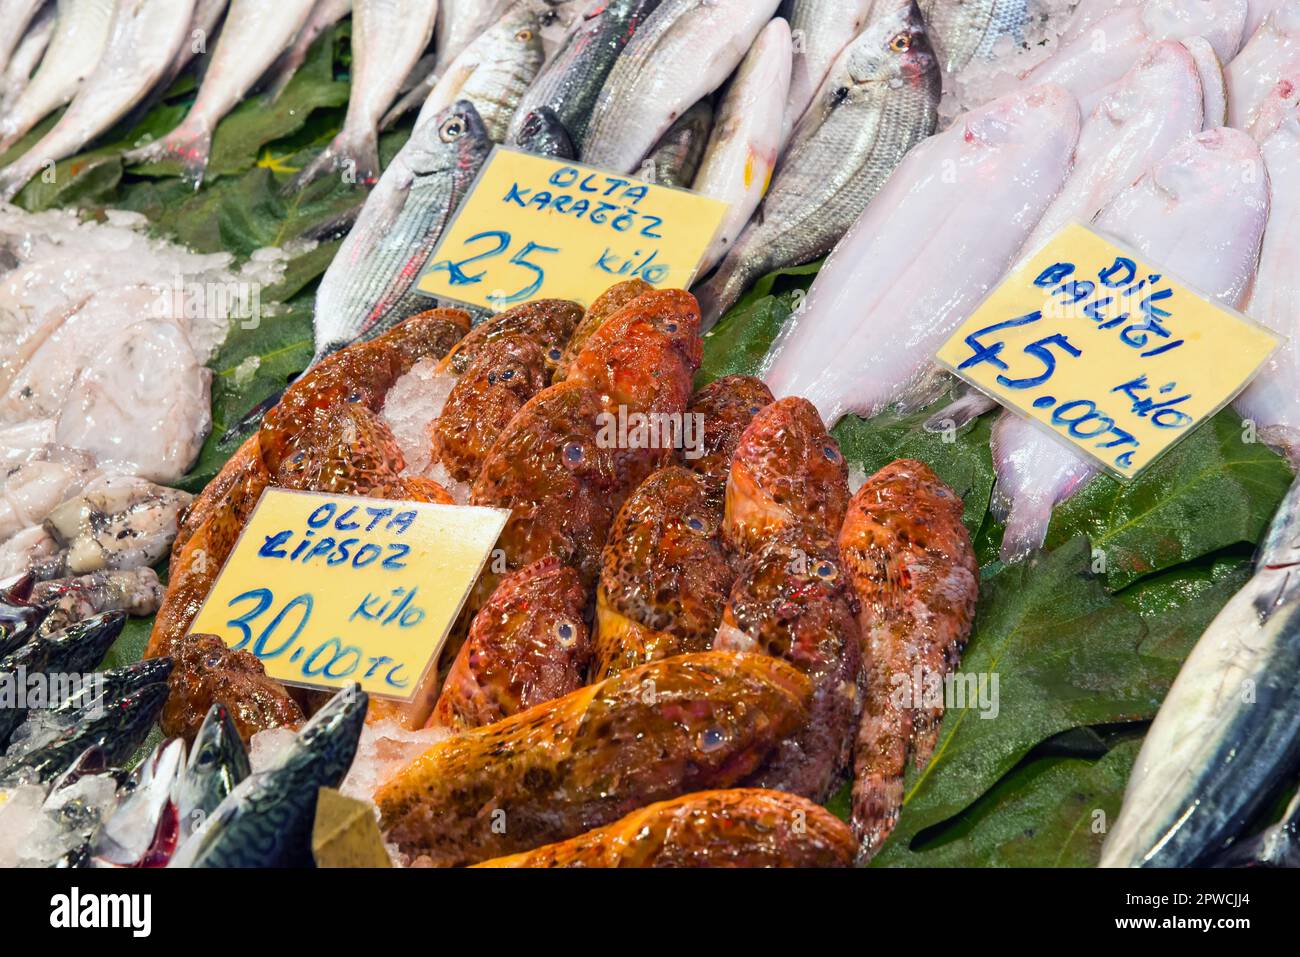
{"x":539,"y":228}
{"x":1107,"y":350}
{"x":327,"y":590}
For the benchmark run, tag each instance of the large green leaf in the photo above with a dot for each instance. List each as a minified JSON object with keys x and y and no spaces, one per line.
{"x":1211,"y":492}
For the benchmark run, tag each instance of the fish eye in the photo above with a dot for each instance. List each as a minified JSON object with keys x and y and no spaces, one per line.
{"x":524,"y":35}
{"x":839,"y":96}
{"x":670,"y":327}
{"x":298,"y":458}
{"x":697,"y":524}
{"x":711,"y":739}
{"x":900,"y":42}
{"x":555,"y":354}
{"x":452,"y":129}
{"x":826,"y":571}
{"x":206,"y":757}
{"x":832,"y":454}
{"x":212,"y":660}
{"x":573,"y":454}
{"x":754,"y":409}
{"x":566,"y":631}
{"x":355,"y":397}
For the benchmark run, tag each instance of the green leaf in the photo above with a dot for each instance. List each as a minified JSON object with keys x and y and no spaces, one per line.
{"x":1211,"y":492}
{"x":1064,"y":653}
{"x":1047,"y":812}
{"x":1178,"y":605}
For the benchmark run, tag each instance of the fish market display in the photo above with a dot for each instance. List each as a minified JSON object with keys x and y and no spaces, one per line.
{"x":824,"y":28}
{"x":553,"y":115}
{"x":879,"y":100}
{"x":684,"y":51}
{"x":739,"y":828}
{"x":1228,"y":727}
{"x":388,"y":37}
{"x":255,"y":33}
{"x":1270,"y":54}
{"x":742,"y":152}
{"x":217,"y":764}
{"x":878,"y":310}
{"x":81,"y":32}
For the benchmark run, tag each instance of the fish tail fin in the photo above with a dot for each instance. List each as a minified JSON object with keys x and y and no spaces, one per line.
{"x":190,"y":144}
{"x":960,"y":412}
{"x":1026,"y":528}
{"x":355,"y":156}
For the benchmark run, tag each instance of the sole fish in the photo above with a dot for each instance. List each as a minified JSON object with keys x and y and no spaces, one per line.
{"x":1272,"y":53}
{"x":880,"y":99}
{"x":822,"y":29}
{"x":747,"y":136}
{"x":369,"y":287}
{"x":142,"y":45}
{"x":81,"y":32}
{"x":1214,"y":90}
{"x":884,"y":302}
{"x":1200,"y":213}
{"x":562,"y":97}
{"x":1228,"y":732}
{"x":255,"y":33}
{"x":388,"y":37}
{"x":684,"y":51}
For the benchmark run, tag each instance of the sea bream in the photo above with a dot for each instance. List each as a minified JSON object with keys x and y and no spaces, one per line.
{"x":563,"y":95}
{"x":747,"y":135}
{"x":964,"y":31}
{"x":80,"y":34}
{"x":460,"y":22}
{"x":1199,"y":213}
{"x":493,"y":72}
{"x":369,"y":286}
{"x":824,"y":29}
{"x":683,"y":52}
{"x":388,"y":37}
{"x":324,"y":15}
{"x":880,"y":99}
{"x":142,"y":45}
{"x":1272,"y":402}
{"x":1271,"y":54}
{"x":887,"y":299}
{"x":1090,"y":63}
{"x":1228,"y":732}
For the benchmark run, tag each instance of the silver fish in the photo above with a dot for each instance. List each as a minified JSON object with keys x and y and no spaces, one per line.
{"x":1229,"y":730}
{"x":15,"y":17}
{"x":685,"y":51}
{"x":207,"y":17}
{"x":255,"y":33}
{"x":141,"y":831}
{"x":266,"y":821}
{"x":460,"y":22}
{"x":326,"y":14}
{"x":121,"y":523}
{"x":572,"y":81}
{"x":676,"y":158}
{"x":388,"y":37}
{"x":80,"y":35}
{"x":145,"y":36}
{"x":543,"y":132}
{"x":821,"y":30}
{"x":28,"y":53}
{"x":966,"y":30}
{"x":880,"y":99}
{"x":368,"y":287}
{"x":218,"y":762}
{"x":417,"y":87}
{"x":494,"y":71}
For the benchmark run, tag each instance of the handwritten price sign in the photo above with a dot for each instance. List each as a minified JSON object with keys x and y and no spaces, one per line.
{"x":1107,"y":350}
{"x":538,"y":228}
{"x":327,"y":590}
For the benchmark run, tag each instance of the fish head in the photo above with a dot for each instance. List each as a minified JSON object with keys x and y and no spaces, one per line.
{"x":1221,"y":22}
{"x":1163,"y":68}
{"x":454,"y":142}
{"x":724,"y":408}
{"x":1021,"y":117}
{"x":219,"y":760}
{"x":347,"y":450}
{"x":543,"y":132}
{"x":520,"y":31}
{"x":787,"y":471}
{"x":331,"y":736}
{"x":536,"y":614}
{"x":894,"y":49}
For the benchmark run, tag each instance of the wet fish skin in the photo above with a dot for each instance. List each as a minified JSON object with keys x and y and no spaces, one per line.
{"x":742,"y":151}
{"x":675,"y":159}
{"x":119,"y":524}
{"x":134,"y":590}
{"x":19,"y":617}
{"x":27,"y":56}
{"x":388,"y":37}
{"x":15,"y":17}
{"x":823,"y":28}
{"x":142,"y":829}
{"x":682,"y":53}
{"x":460,"y":22}
{"x":218,"y":763}
{"x":325,"y":15}
{"x":727,"y":406}
{"x":80,"y":34}
{"x":1270,"y":55}
{"x":880,"y":98}
{"x":1277,"y":846}
{"x":255,"y":33}
{"x":879,"y":308}
{"x":117,"y":683}
{"x":369,"y":286}
{"x":266,"y":820}
{"x":1229,"y":728}
{"x":571,"y":83}
{"x":965,"y":31}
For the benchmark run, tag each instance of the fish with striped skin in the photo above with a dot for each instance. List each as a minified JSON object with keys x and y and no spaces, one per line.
{"x":266,"y":821}
{"x":745,"y":827}
{"x":675,"y":159}
{"x":218,"y":763}
{"x":1228,"y":732}
{"x":682,"y":53}
{"x":255,"y":33}
{"x":593,"y":756}
{"x":964,"y":31}
{"x":880,"y":99}
{"x":553,"y":115}
{"x":370,"y":285}
{"x":142,"y":45}
{"x":824,"y":29}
